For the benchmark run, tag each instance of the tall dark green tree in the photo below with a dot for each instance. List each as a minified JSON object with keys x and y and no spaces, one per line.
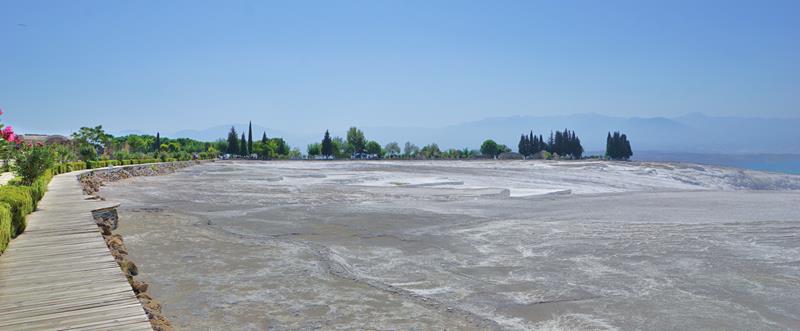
{"x":157,"y":143}
{"x":327,"y":145}
{"x":243,"y":146}
{"x":523,"y":146}
{"x":618,"y":147}
{"x":564,"y":143}
{"x":264,"y":139}
{"x":233,"y":142}
{"x":250,"y":138}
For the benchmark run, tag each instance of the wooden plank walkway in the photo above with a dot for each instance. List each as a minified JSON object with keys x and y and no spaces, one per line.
{"x":60,"y":275}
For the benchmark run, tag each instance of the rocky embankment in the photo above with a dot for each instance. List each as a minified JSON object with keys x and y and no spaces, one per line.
{"x":91,"y":181}
{"x":107,"y":219}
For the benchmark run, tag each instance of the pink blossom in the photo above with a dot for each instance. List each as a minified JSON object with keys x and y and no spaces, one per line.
{"x":39,"y":144}
{"x":7,"y":133}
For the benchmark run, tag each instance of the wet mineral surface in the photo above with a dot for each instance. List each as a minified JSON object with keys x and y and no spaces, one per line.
{"x":516,"y":245}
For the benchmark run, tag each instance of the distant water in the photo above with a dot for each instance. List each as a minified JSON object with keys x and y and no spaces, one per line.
{"x":785,"y":163}
{"x":789,"y":167}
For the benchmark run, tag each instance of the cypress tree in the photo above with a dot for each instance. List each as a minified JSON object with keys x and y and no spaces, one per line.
{"x":522,"y":147}
{"x":531,"y":146}
{"x":327,"y":145}
{"x":250,"y":138}
{"x":243,"y":146}
{"x":233,"y":142}
{"x":157,"y":143}
{"x":618,"y":147}
{"x":627,"y":147}
{"x":264,"y":139}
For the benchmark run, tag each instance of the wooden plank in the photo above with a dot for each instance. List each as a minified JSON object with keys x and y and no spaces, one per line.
{"x":60,"y":275}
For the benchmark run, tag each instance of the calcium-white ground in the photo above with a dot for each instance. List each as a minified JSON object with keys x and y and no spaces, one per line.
{"x":467,"y":245}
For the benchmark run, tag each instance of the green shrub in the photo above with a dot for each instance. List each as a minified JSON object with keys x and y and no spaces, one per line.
{"x":5,"y":225}
{"x":32,"y":162}
{"x":121,"y":156}
{"x":39,"y":187}
{"x":19,"y":198}
{"x":88,"y":152}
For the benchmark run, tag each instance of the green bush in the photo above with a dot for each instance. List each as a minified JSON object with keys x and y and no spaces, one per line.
{"x":5,"y":225}
{"x":87,"y":152}
{"x":20,"y":199}
{"x":32,"y":162}
{"x":74,"y":166}
{"x":39,"y":187}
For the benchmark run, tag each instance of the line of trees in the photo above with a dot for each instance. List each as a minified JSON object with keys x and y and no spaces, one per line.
{"x":357,"y":145}
{"x":618,"y":147}
{"x":266,"y":148}
{"x":531,"y":144}
{"x":564,"y":143}
{"x":93,"y":143}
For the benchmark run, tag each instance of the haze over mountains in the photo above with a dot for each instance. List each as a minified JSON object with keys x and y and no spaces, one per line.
{"x":695,"y":133}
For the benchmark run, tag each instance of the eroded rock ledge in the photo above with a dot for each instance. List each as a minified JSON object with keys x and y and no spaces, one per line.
{"x":107,"y":220}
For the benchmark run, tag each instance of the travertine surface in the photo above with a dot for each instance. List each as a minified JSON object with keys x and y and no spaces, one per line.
{"x":467,"y":245}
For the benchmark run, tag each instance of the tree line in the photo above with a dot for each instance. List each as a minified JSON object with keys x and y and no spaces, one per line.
{"x":562,"y":143}
{"x":565,"y":144}
{"x":266,"y":148}
{"x":618,"y":147}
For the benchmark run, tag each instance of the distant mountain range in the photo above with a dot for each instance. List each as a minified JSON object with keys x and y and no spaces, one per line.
{"x":695,"y":133}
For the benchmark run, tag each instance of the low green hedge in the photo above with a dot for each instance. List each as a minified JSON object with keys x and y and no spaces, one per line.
{"x":5,"y":225}
{"x":17,"y":201}
{"x":20,"y":199}
{"x":39,"y":187}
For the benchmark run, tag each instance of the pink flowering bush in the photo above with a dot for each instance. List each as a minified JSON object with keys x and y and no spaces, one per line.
{"x":7,"y":141}
{"x":7,"y":133}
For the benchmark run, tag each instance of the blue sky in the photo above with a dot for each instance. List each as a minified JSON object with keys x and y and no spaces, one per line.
{"x":311,"y":65}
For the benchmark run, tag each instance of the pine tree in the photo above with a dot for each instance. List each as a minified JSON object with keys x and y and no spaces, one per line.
{"x":250,"y":138}
{"x":264,"y":139}
{"x":233,"y":142}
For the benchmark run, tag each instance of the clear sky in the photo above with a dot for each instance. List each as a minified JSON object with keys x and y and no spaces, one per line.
{"x":292,"y":65}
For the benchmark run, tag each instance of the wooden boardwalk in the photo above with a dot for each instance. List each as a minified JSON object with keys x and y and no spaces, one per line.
{"x":60,"y":275}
